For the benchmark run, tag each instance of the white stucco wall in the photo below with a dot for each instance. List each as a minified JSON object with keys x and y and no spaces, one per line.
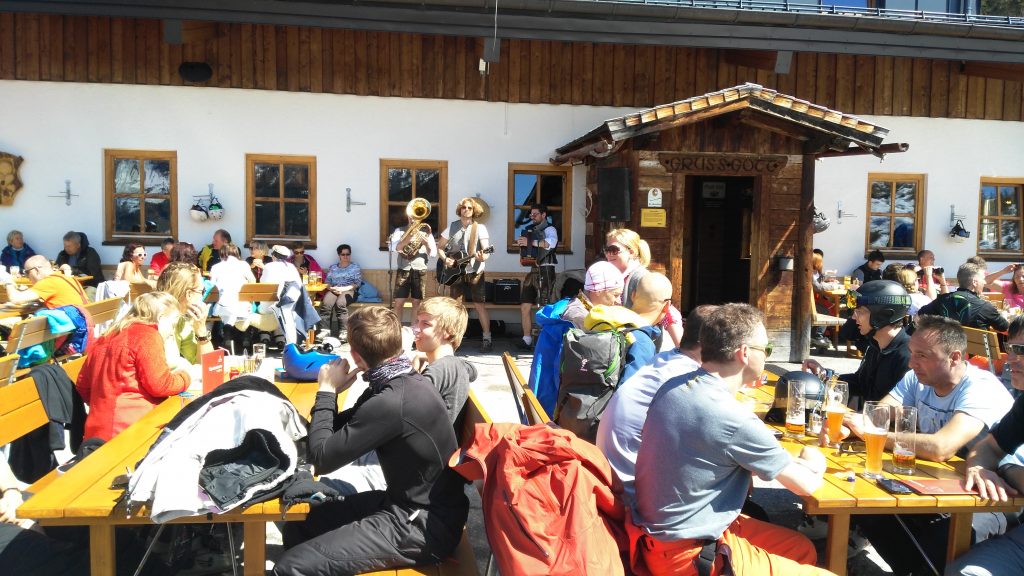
{"x":952,"y":154}
{"x":61,"y":130}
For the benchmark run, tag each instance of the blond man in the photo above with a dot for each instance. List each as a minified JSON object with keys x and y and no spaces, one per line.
{"x":438,"y":328}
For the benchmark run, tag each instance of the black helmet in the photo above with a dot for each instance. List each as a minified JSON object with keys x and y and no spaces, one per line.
{"x":888,"y":301}
{"x":814,"y":392}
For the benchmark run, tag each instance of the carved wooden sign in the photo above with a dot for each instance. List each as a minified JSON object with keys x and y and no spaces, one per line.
{"x":723,"y":164}
{"x":9,"y":181}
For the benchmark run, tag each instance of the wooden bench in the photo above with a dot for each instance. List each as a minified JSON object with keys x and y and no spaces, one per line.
{"x":136,"y":289}
{"x":250,"y":292}
{"x":529,"y":408}
{"x":984,"y":343}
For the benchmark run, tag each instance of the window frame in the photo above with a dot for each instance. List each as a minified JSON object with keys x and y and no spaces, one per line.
{"x":919,"y":213}
{"x":250,"y":197}
{"x":988,"y":252}
{"x":565,"y":232}
{"x":442,"y":197}
{"x":112,"y":237}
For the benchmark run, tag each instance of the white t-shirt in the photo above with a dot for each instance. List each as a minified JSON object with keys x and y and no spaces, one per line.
{"x":979,"y":395}
{"x":279,"y":272}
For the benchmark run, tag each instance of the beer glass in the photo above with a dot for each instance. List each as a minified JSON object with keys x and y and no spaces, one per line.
{"x":259,"y":352}
{"x":904,"y":455}
{"x":796,"y":418}
{"x":876,"y":428}
{"x":836,"y":397}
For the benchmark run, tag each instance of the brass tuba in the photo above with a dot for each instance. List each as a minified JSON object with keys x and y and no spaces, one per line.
{"x":418,"y":209}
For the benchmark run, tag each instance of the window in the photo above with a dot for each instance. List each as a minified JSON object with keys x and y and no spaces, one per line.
{"x":141,"y":190}
{"x":403,"y":180}
{"x":999,"y":216}
{"x":540,"y":184}
{"x":280,"y":193}
{"x":895,"y":213}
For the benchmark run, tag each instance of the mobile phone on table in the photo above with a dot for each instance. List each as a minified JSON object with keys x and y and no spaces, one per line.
{"x":893,"y":486}
{"x":777,"y":434}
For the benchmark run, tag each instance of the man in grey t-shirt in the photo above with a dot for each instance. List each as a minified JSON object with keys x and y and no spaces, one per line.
{"x":717,"y":444}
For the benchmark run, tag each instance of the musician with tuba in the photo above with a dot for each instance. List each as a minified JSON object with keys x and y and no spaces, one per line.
{"x":537,"y":245}
{"x":414,"y":245}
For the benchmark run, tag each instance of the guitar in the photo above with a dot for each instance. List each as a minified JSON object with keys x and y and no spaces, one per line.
{"x":448,"y":275}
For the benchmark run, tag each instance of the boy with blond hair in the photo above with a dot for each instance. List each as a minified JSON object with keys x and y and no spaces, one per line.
{"x":419,"y":517}
{"x":438,"y":327}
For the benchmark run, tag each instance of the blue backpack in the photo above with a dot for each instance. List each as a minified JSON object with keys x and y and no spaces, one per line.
{"x":368,"y":293}
{"x":547,"y":354}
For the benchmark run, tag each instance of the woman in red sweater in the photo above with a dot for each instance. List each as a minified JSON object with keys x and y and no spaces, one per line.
{"x":125,"y":374}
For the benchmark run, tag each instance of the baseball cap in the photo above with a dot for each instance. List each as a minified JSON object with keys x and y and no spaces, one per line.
{"x":602,"y":276}
{"x":281,"y":251}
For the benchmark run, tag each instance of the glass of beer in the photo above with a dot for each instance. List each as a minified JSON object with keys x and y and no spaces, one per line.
{"x":837,"y":396}
{"x":876,"y":429}
{"x":796,"y":418}
{"x":904,"y":455}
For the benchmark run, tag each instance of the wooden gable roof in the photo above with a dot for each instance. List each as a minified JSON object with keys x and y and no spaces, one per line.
{"x":824,"y":129}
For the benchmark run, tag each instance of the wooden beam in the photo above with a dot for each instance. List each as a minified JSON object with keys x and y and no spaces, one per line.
{"x":772,"y":124}
{"x":1011,"y":72}
{"x":861,"y":151}
{"x":800,"y":337}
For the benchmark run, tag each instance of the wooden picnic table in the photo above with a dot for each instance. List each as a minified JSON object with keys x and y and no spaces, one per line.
{"x":26,"y":281}
{"x":839,"y":498}
{"x":83,"y":497}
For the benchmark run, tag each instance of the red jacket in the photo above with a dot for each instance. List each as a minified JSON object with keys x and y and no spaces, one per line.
{"x":123,"y":377}
{"x":550,"y":500}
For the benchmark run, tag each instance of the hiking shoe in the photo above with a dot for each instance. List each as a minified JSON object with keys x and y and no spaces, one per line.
{"x":522,"y":345}
{"x":487,"y":346}
{"x":857,"y":543}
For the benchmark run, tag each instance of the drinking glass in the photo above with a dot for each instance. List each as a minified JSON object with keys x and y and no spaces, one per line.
{"x":796,"y":418}
{"x":904,"y":454}
{"x":314,"y":278}
{"x":259,"y":352}
{"x":14,"y":271}
{"x":876,"y":428}
{"x":836,"y":397}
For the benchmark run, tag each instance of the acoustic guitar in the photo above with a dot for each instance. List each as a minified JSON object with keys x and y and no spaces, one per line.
{"x":448,"y":275}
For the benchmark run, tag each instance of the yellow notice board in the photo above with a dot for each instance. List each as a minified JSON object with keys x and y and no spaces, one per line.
{"x":653,"y":218}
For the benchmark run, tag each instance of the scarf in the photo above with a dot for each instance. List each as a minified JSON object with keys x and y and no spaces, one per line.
{"x":386,"y":371}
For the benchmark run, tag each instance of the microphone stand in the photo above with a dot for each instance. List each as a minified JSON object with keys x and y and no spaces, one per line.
{"x":391,"y":273}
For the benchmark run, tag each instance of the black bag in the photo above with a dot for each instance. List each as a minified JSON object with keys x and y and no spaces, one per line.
{"x":507,"y":291}
{"x":473,"y":329}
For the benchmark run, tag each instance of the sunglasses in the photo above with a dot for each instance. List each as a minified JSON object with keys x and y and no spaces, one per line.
{"x":344,"y":253}
{"x":767,"y":348}
{"x":1016,"y":349}
{"x":613,"y":249}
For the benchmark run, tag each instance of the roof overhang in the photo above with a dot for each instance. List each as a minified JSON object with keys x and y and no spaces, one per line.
{"x":589,"y":21}
{"x":823,"y":131}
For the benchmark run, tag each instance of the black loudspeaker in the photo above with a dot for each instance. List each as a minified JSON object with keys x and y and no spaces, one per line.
{"x":613,"y":193}
{"x":507,"y":291}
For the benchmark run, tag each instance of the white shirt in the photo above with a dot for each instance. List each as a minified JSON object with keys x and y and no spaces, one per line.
{"x":483,"y":241}
{"x":279,"y":272}
{"x":420,"y":261}
{"x":229,"y":276}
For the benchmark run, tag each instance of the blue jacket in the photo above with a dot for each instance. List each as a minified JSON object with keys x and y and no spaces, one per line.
{"x":547,"y":354}
{"x":11,"y":257}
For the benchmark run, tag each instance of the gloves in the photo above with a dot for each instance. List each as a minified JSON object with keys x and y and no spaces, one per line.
{"x":303,"y":488}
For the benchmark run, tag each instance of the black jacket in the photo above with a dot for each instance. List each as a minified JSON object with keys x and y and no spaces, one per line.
{"x":881,"y":369}
{"x":968,"y":309}
{"x":88,"y":262}
{"x":406,"y":422}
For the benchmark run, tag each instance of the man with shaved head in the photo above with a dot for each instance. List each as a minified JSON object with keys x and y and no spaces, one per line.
{"x":55,"y":290}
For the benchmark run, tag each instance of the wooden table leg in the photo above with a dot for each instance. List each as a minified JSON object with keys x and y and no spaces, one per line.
{"x":101,"y":550}
{"x":959,"y":535}
{"x":255,"y":558}
{"x":837,"y":542}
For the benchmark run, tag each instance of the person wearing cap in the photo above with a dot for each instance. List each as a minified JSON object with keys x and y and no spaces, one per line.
{"x":280,"y":271}
{"x":602,"y":285}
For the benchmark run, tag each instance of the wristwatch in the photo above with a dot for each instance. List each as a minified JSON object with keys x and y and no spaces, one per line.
{"x":203,"y":339}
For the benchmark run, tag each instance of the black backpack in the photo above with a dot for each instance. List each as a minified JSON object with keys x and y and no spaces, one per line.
{"x":592,"y":363}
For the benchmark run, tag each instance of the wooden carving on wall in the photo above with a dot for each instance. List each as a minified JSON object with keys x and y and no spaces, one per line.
{"x":9,"y":181}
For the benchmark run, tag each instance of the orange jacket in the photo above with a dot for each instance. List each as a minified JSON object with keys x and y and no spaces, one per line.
{"x":124,"y":376}
{"x":550,"y":500}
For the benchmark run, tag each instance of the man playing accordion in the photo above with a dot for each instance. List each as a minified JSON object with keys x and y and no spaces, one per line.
{"x":536,"y":250}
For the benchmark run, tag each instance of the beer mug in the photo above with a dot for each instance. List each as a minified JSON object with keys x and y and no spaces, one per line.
{"x":796,"y":418}
{"x":876,"y":429}
{"x":904,"y":453}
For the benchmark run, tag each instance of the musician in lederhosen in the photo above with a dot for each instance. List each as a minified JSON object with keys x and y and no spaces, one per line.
{"x":414,"y":245}
{"x":470,"y":237}
{"x":536,"y":250}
